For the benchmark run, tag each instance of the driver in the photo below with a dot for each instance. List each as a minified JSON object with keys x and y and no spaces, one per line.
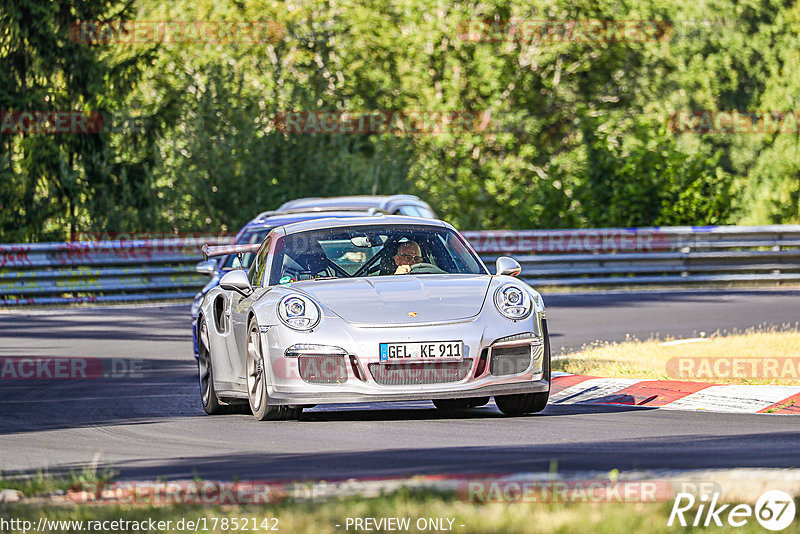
{"x":408,"y":253}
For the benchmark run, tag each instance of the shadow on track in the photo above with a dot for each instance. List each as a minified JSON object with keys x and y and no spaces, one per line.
{"x":117,"y":393}
{"x":634,"y":298}
{"x":662,"y":452}
{"x":107,"y":391}
{"x":424,"y":410}
{"x":98,"y":325}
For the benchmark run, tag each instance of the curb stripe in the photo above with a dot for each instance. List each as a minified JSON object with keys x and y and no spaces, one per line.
{"x":560,"y":383}
{"x":733,"y":398}
{"x":675,"y":395}
{"x":593,"y":391}
{"x":788,"y":406}
{"x":657,"y":393}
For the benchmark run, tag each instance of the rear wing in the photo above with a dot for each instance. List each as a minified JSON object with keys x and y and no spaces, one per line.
{"x":226,"y":250}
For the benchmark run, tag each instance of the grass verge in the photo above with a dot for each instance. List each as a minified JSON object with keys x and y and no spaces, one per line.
{"x":43,"y":483}
{"x":756,"y":356}
{"x":332,"y":516}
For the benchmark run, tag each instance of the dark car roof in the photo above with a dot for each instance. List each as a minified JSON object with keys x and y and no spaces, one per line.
{"x":363,"y":202}
{"x":289,"y":218}
{"x":273,"y":221}
{"x":379,"y":220}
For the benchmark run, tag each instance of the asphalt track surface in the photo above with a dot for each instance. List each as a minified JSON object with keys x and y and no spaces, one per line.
{"x":151,"y":424}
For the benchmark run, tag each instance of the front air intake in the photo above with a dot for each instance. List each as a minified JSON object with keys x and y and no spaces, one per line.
{"x":510,"y":360}
{"x":412,"y":374}
{"x":323,"y":368}
{"x":514,"y":355}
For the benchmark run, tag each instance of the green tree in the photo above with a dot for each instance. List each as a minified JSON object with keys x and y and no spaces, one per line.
{"x":53,"y":184}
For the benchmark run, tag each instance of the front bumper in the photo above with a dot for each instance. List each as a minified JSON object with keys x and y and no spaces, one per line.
{"x":355,"y":373}
{"x":329,"y":397}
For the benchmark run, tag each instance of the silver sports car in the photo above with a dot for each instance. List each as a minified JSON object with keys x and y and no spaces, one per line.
{"x":370,"y":309}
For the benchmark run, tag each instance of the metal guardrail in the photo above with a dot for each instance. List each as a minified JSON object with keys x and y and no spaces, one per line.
{"x":151,"y":269}
{"x":646,"y":256}
{"x":101,"y":271}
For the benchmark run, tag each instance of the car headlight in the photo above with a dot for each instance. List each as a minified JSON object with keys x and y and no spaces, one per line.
{"x":298,"y":312}
{"x":513,"y":301}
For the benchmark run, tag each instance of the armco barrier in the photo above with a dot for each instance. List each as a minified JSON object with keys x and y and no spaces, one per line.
{"x":132,"y":270}
{"x":101,"y":271}
{"x":634,"y":256}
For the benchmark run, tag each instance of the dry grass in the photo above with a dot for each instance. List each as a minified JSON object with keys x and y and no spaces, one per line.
{"x":757,"y":356}
{"x":330,"y":517}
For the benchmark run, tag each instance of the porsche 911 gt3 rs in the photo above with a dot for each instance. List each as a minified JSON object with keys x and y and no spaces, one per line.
{"x":384,"y":308}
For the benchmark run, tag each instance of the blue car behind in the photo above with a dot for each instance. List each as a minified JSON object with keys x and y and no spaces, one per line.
{"x":254,"y":232}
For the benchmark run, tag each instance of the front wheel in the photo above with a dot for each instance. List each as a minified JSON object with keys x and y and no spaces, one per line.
{"x":529,"y":402}
{"x":523,"y":403}
{"x":205,"y":372}
{"x":257,"y":383}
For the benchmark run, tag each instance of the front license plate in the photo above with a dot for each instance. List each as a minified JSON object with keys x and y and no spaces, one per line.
{"x":422,"y":351}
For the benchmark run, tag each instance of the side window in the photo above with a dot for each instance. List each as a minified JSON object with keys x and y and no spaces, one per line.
{"x":408,"y":210}
{"x":425,"y":212}
{"x":256,"y":272}
{"x":251,"y":273}
{"x":416,"y":211}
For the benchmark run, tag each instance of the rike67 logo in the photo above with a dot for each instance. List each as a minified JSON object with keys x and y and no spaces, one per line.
{"x":774,"y":510}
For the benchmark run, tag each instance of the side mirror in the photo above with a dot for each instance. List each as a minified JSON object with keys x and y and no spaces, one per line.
{"x":206,"y":267}
{"x":236,"y":281}
{"x":507,"y":266}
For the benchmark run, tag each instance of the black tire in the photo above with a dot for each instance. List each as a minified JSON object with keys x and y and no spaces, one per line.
{"x":529,"y":402}
{"x":205,"y":374}
{"x":257,"y":382}
{"x":523,"y":403}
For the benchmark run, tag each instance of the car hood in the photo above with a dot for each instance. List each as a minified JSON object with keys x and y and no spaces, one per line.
{"x":395,"y":299}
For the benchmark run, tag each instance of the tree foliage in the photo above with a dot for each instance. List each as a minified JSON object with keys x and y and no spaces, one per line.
{"x":579,"y":133}
{"x":53,"y":184}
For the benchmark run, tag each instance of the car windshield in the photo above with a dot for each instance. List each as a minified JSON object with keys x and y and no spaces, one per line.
{"x":248,"y":238}
{"x":371,"y":251}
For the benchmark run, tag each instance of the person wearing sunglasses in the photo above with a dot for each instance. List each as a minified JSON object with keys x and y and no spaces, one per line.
{"x":408,"y":254}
